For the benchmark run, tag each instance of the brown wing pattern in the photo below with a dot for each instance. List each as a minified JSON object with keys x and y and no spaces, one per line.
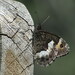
{"x":41,"y":40}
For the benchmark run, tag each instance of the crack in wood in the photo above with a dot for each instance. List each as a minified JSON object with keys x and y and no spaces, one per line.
{"x":27,"y":67}
{"x":24,"y":20}
{"x":18,"y":47}
{"x":7,"y":20}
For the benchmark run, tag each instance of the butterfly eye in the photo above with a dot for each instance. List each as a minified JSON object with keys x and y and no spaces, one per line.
{"x":61,"y":45}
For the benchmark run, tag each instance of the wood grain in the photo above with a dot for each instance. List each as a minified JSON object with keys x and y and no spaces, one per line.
{"x":16,"y":25}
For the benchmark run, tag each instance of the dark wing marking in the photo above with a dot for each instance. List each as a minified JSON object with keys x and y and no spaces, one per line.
{"x":41,"y":40}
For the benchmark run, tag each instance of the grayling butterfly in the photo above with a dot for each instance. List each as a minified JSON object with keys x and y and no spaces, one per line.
{"x":47,"y":46}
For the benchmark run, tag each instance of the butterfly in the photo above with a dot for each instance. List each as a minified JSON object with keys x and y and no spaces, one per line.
{"x":48,"y":46}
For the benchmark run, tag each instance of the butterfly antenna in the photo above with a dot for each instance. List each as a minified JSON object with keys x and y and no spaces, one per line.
{"x":45,"y":20}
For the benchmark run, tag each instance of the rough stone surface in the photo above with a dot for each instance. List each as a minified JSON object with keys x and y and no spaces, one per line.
{"x":15,"y":44}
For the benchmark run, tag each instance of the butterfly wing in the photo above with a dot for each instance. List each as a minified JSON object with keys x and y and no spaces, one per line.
{"x":48,"y":46}
{"x":41,"y":40}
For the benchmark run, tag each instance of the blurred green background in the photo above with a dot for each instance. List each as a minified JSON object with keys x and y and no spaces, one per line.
{"x":61,"y":22}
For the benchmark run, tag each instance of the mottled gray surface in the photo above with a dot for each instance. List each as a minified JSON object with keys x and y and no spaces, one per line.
{"x":16,"y":25}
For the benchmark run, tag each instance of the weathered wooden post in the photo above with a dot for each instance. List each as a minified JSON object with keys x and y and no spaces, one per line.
{"x":16,"y":56}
